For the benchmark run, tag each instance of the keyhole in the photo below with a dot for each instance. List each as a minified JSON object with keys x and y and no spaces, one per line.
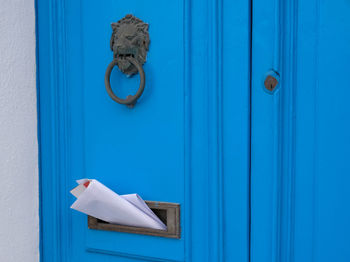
{"x":270,"y":82}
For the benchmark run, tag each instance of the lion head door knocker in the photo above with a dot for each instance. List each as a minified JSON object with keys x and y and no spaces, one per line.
{"x":129,"y":43}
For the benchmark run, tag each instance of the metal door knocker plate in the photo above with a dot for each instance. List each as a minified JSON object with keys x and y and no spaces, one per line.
{"x":129,"y":43}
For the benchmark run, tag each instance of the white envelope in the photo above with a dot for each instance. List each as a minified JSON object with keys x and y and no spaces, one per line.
{"x":99,"y":201}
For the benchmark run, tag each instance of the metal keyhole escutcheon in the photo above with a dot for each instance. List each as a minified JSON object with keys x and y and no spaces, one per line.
{"x":129,"y":43}
{"x":270,"y":83}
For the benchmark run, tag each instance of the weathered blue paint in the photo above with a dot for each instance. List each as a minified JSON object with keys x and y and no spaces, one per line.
{"x":186,"y":141}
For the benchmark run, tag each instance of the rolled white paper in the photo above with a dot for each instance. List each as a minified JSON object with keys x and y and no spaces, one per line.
{"x":99,"y":201}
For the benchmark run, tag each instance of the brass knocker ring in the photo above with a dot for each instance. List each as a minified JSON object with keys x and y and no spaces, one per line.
{"x":131,"y":99}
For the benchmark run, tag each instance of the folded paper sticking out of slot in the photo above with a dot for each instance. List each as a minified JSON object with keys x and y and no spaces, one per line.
{"x":97,"y":200}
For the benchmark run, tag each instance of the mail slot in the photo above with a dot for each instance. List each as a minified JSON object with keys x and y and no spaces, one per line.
{"x":168,"y":213}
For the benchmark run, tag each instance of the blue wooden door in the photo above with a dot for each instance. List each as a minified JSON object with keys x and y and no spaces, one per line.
{"x":260,"y":175}
{"x":186,"y":141}
{"x":300,"y":144}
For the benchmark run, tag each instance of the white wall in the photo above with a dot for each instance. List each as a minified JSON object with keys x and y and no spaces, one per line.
{"x":19,"y":218}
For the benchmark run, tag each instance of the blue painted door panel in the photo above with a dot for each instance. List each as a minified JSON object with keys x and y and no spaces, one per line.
{"x":186,"y":141}
{"x":260,"y":176}
{"x":138,"y":150}
{"x":301,"y":133}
